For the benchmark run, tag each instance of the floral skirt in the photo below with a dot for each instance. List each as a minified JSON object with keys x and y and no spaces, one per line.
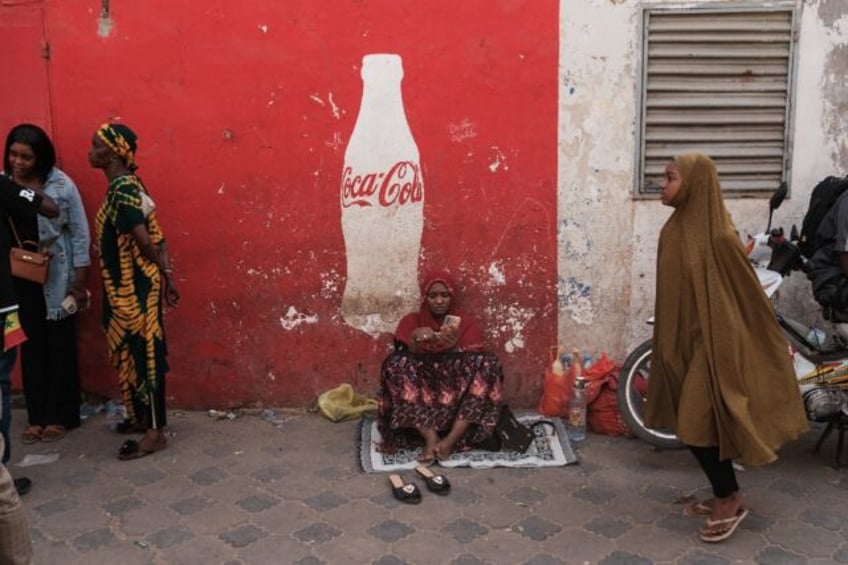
{"x":433,"y":390}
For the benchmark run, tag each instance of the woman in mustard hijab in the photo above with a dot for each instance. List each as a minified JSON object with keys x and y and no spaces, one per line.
{"x":721,"y":376}
{"x":137,"y":274}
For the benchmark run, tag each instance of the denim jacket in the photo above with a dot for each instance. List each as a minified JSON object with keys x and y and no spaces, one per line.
{"x":67,"y":239}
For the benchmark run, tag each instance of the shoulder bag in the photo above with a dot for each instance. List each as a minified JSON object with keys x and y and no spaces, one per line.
{"x":28,"y":264}
{"x":510,"y":434}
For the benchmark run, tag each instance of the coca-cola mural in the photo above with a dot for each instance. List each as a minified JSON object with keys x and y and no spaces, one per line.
{"x":382,"y":200}
{"x":310,"y":161}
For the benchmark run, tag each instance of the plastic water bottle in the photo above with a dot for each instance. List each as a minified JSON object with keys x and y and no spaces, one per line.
{"x":577,"y":411}
{"x":577,"y":404}
{"x":817,"y":337}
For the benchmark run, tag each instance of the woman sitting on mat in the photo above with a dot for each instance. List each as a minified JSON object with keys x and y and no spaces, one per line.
{"x":439,"y":391}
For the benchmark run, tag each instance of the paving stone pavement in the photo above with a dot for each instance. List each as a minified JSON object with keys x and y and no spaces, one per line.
{"x":290,"y":490}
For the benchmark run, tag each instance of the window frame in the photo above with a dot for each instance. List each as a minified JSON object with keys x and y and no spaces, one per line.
{"x":642,"y":187}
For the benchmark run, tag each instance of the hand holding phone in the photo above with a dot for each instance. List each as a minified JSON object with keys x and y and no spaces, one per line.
{"x":451,"y":321}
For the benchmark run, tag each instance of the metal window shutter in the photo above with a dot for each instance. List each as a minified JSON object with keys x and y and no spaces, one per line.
{"x":718,"y":82}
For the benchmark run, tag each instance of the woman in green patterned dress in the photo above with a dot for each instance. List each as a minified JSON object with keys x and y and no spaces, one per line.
{"x":136,"y":273}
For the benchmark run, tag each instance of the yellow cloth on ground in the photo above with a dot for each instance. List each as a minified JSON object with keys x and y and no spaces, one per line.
{"x":342,"y":403}
{"x":721,"y":374}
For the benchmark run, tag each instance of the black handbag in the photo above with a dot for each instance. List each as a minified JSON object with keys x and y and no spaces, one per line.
{"x":510,"y":434}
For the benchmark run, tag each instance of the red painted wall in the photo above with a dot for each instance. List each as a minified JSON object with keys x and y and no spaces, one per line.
{"x":243,"y":112}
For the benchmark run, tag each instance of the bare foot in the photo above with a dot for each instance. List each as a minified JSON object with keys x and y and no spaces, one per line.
{"x":727,"y":507}
{"x":699,"y":508}
{"x":431,"y":440}
{"x":153,"y":440}
{"x":444,"y":448}
{"x":727,"y":514}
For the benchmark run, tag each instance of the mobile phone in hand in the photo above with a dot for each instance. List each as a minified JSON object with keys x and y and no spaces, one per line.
{"x":452,"y":321}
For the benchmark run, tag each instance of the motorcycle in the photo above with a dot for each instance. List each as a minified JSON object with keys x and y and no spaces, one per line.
{"x":820,"y":359}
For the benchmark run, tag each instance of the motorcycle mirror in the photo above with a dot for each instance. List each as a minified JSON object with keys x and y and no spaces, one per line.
{"x":793,"y":233}
{"x":778,"y":196}
{"x":776,"y":200}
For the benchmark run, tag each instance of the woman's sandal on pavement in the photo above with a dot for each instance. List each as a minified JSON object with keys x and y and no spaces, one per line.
{"x":719,"y":530}
{"x":437,"y":484}
{"x":32,"y":434}
{"x":132,"y":449}
{"x":405,"y":492}
{"x":53,"y":432}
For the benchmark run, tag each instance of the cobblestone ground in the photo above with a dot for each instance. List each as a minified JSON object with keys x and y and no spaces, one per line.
{"x":289,"y":490}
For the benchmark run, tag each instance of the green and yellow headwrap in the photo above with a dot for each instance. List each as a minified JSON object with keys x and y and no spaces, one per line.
{"x":120,"y":139}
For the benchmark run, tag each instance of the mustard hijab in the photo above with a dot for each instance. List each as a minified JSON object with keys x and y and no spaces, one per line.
{"x":721,"y":374}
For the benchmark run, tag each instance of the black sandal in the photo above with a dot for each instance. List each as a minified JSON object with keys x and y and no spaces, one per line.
{"x":405,"y":492}
{"x":437,"y":484}
{"x":131,"y":449}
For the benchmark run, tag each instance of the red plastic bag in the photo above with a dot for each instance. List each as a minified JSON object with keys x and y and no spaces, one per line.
{"x":557,"y":389}
{"x":596,"y":376}
{"x":602,"y":396}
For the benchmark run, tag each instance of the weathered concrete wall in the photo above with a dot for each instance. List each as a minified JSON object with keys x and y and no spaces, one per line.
{"x":608,"y":239}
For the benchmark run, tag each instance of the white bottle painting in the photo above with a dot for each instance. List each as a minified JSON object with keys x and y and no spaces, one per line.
{"x":382,"y":201}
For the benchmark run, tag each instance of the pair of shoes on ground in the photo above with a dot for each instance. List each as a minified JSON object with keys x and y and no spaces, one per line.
{"x":34,"y":434}
{"x":22,"y":485}
{"x":715,"y":530}
{"x":409,"y":493}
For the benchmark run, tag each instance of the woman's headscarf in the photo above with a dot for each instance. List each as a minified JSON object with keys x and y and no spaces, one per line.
{"x":721,"y":373}
{"x":121,"y":140}
{"x":470,"y":337}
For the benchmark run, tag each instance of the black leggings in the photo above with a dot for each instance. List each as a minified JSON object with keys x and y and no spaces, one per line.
{"x":720,"y":473}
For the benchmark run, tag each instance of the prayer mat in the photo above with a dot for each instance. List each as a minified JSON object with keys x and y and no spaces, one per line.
{"x":550,"y":449}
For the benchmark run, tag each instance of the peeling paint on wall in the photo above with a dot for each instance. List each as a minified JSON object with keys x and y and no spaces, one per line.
{"x":336,"y":142}
{"x":575,"y":239}
{"x":498,"y":160}
{"x":104,"y":22}
{"x":496,"y":273}
{"x":575,"y":298}
{"x":293,"y":319}
{"x":331,"y":284}
{"x":336,"y":111}
{"x":836,"y":101}
{"x":508,"y":324}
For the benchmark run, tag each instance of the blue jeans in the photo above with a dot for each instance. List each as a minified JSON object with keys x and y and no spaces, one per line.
{"x":7,"y":363}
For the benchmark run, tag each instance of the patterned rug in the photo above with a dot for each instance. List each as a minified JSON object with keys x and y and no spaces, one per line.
{"x":550,"y":449}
